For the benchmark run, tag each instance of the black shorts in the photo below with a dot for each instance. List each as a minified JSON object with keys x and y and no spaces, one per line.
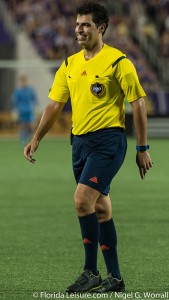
{"x":97,"y":157}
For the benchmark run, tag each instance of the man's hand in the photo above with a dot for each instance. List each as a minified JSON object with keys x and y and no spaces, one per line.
{"x":144,"y":162}
{"x":30,"y":149}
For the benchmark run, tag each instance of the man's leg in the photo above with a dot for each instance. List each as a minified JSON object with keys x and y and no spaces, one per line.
{"x":108,"y":237}
{"x":23,"y":133}
{"x":85,"y":200}
{"x":108,"y":244}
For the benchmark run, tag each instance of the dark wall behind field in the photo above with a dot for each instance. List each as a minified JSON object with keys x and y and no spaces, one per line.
{"x":7,"y":76}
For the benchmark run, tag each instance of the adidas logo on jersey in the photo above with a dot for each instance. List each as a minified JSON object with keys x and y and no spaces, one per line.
{"x":84,"y":73}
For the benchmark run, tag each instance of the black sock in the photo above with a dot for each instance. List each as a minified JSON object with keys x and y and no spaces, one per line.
{"x":90,"y":234}
{"x":108,"y":243}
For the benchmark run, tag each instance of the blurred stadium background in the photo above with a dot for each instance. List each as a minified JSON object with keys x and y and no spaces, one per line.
{"x":36,"y":242}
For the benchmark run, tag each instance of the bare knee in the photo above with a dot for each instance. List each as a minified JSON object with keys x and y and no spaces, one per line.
{"x":103,"y":209}
{"x":82,"y":207}
{"x":85,"y":199}
{"x":102,"y":214}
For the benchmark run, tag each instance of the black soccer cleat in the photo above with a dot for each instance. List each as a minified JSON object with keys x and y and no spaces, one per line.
{"x":111,"y":284}
{"x":86,"y":282}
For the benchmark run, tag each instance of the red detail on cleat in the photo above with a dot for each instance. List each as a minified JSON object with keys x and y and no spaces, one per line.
{"x":104,"y":247}
{"x":94,"y":179}
{"x":86,"y":241}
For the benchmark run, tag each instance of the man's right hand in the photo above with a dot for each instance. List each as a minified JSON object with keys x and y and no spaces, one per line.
{"x":30,"y":149}
{"x":48,"y":118}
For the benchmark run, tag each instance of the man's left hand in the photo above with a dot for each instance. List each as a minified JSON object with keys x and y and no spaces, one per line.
{"x":144,"y":162}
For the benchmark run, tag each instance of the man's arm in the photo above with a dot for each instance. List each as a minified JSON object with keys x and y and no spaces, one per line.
{"x":49,"y":116}
{"x":140,"y":122}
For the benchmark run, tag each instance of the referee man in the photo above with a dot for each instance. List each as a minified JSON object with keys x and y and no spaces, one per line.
{"x":97,"y":79}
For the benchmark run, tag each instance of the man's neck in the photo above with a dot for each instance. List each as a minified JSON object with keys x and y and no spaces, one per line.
{"x":90,"y":53}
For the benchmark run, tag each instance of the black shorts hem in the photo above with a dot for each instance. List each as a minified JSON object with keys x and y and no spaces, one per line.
{"x":94,"y":187}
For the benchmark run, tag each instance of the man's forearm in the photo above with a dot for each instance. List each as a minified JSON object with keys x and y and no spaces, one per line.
{"x":48,"y":118}
{"x":140,"y":121}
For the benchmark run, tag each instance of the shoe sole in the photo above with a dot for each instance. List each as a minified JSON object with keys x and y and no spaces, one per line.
{"x":94,"y":288}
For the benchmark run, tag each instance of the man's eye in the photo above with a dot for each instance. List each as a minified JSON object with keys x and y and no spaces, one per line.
{"x":84,"y":24}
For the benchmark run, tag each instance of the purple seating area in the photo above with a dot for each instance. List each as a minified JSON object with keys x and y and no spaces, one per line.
{"x":5,"y":36}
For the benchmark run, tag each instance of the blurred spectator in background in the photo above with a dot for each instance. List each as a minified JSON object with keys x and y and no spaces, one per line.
{"x":24,"y":102}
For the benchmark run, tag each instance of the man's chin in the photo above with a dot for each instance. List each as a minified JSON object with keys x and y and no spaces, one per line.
{"x":82,"y":43}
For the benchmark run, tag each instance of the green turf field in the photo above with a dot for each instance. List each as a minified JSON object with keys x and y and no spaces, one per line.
{"x":40,"y":246}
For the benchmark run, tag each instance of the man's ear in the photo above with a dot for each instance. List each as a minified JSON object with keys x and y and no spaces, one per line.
{"x":102,"y":28}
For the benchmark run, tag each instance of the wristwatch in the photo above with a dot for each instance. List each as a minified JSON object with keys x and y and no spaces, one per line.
{"x":142,"y":148}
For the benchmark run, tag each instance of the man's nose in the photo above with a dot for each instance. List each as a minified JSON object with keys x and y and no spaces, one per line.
{"x":79,"y":28}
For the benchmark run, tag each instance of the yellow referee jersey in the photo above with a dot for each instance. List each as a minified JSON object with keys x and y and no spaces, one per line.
{"x":97,"y":89}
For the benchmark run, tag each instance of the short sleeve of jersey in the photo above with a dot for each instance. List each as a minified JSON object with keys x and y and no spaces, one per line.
{"x":127,"y":78}
{"x":59,"y":90}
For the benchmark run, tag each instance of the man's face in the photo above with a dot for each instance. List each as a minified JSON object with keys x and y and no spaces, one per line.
{"x":86,"y":31}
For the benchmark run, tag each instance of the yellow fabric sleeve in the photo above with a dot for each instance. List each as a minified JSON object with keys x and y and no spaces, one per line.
{"x":59,"y":90}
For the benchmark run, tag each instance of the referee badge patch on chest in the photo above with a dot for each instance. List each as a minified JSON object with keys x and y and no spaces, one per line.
{"x":98,"y":89}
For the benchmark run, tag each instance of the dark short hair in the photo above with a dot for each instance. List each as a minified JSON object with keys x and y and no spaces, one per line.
{"x":99,"y":13}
